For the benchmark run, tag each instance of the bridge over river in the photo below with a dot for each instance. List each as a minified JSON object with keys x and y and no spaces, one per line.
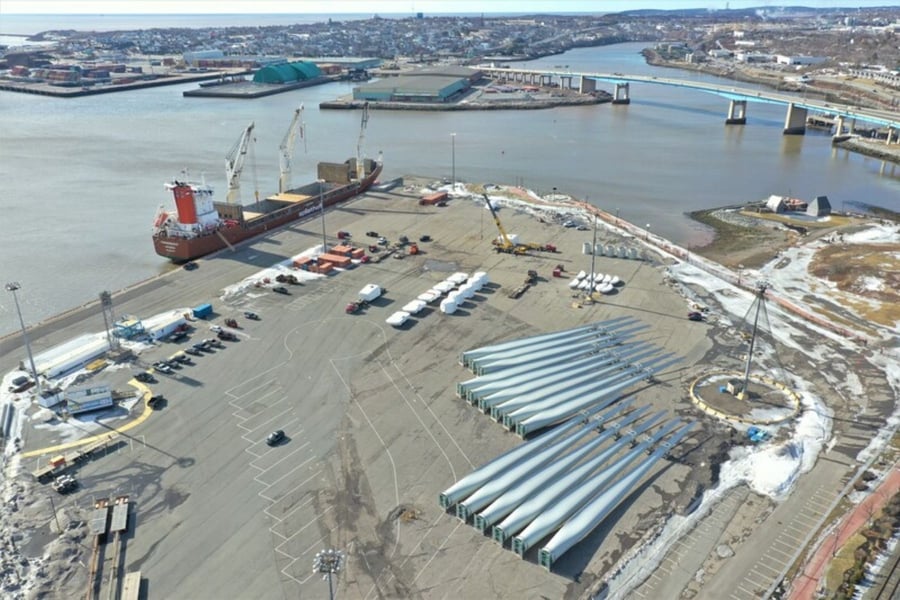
{"x":798,"y":108}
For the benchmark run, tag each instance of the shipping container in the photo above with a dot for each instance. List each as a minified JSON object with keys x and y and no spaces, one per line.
{"x":337,"y":260}
{"x":322,"y":267}
{"x":342,"y":250}
{"x":303,"y":263}
{"x":431,"y":199}
{"x":202,"y":311}
{"x":357,"y":253}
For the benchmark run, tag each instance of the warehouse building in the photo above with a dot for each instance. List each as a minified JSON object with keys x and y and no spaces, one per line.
{"x":293,"y":72}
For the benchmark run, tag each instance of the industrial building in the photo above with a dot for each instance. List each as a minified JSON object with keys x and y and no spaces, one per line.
{"x":69,"y":356}
{"x":433,"y":85}
{"x":292,"y":72}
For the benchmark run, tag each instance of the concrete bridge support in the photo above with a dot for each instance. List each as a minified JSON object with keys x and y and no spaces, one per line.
{"x":587,"y":86}
{"x":737,"y":113}
{"x":795,"y":120}
{"x":546,"y":80}
{"x":565,"y":82}
{"x":620,"y":94}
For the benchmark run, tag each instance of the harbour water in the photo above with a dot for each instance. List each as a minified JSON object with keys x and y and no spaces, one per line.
{"x":83,"y":178}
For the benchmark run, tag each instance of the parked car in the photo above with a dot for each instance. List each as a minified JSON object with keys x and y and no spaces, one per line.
{"x":382,"y":241}
{"x":425,"y":238}
{"x":163,"y":367}
{"x":156,"y":401}
{"x":183,"y":359}
{"x":190,"y":266}
{"x":193,"y":350}
{"x":275,"y":438}
{"x":227,"y":335}
{"x":281,"y":290}
{"x":372,"y":234}
{"x":144,"y":377}
{"x":65,"y":484}
{"x":215,"y":329}
{"x":20,"y":384}
{"x":251,"y":315}
{"x":695,"y":316}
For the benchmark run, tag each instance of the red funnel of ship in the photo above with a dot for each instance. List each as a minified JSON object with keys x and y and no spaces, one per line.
{"x":184,"y":202}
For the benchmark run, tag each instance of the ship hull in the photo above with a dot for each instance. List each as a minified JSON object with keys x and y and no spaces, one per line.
{"x":186,"y":249}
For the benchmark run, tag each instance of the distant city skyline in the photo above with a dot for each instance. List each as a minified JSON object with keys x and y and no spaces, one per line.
{"x":393,"y":7}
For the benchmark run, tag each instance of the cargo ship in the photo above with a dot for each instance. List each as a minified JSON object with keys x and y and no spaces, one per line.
{"x":199,"y":225}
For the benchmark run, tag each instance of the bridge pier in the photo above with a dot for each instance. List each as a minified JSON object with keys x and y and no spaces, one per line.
{"x":737,"y":113}
{"x":795,"y":120}
{"x":620,"y":94}
{"x":565,"y":82}
{"x":587,"y":86}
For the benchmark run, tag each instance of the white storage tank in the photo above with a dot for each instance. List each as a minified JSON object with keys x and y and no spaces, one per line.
{"x":598,"y":250}
{"x":448,"y":307}
{"x":586,"y":248}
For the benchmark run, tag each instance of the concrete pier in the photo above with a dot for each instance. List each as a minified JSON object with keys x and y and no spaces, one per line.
{"x":795,"y":120}
{"x":620,"y":95}
{"x":737,"y":113}
{"x":587,"y":86}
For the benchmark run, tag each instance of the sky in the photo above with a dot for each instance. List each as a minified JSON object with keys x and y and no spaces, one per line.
{"x":386,"y":7}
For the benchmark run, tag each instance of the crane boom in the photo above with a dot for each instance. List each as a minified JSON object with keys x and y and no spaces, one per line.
{"x":504,"y":244}
{"x":234,"y":164}
{"x":286,"y":149}
{"x":360,"y":163}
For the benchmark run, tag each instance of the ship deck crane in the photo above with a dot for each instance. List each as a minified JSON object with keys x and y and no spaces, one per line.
{"x":360,"y":163}
{"x":286,"y":149}
{"x":234,"y":164}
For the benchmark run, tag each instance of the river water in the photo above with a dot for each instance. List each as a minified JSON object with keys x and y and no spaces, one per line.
{"x":83,"y":178}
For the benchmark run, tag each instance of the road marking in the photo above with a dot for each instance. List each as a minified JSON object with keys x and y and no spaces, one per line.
{"x":145,"y":395}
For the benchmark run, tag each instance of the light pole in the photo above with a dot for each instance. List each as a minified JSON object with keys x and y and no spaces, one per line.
{"x":13,"y":286}
{"x":648,"y":232}
{"x":328,"y":562}
{"x":321,"y":183}
{"x":453,"y":160}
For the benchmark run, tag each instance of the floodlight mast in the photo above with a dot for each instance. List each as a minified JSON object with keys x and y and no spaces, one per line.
{"x":328,"y":562}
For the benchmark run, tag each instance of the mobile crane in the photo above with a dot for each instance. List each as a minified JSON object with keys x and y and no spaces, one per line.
{"x":286,"y":150}
{"x":234,"y":164}
{"x":504,"y":244}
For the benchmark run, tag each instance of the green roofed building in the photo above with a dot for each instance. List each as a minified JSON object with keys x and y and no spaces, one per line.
{"x":287,"y":73}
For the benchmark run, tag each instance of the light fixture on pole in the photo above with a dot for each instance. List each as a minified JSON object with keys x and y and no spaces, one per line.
{"x":321,"y":183}
{"x":13,"y":287}
{"x":328,"y":562}
{"x":453,"y":160}
{"x":648,"y":232}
